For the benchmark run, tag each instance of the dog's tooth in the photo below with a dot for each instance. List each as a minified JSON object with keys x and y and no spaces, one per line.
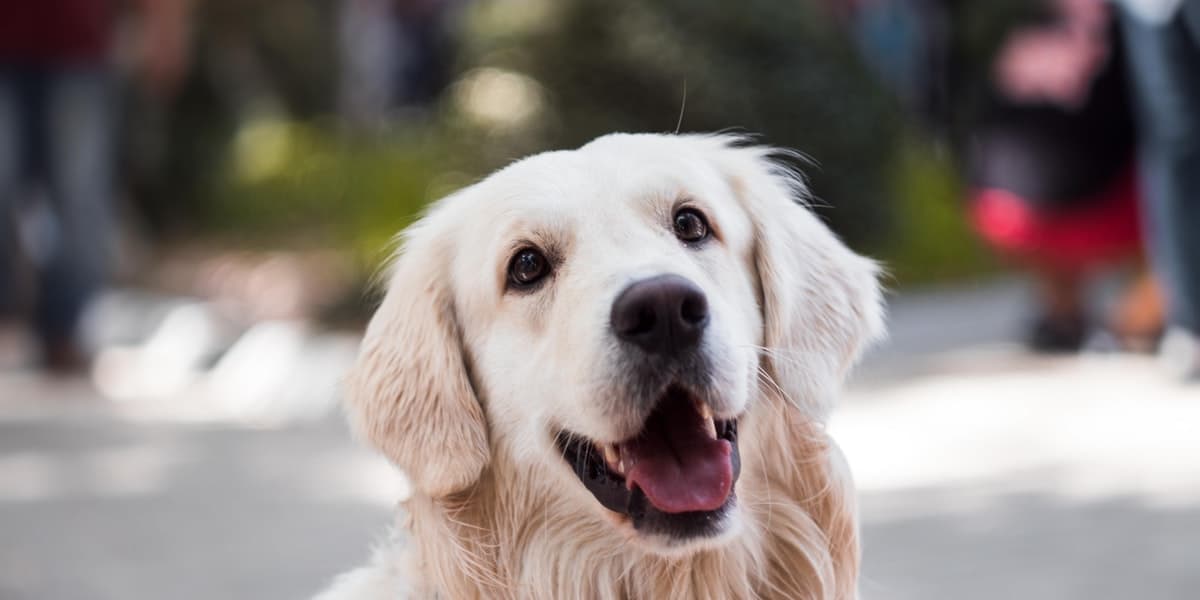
{"x":621,"y":466}
{"x":611,"y":455}
{"x":706,"y":417}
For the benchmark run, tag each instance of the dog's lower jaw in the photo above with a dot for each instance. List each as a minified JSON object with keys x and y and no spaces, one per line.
{"x":523,"y":541}
{"x":665,"y":547}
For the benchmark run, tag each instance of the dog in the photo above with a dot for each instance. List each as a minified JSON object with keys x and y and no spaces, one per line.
{"x":607,"y":372}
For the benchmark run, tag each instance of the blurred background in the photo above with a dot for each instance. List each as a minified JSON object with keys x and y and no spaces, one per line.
{"x":196,"y":194}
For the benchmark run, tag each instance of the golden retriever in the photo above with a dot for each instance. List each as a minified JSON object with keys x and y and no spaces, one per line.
{"x":607,"y":373}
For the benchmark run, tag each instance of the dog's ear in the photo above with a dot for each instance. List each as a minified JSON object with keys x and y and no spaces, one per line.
{"x":409,"y":394}
{"x":821,"y":303}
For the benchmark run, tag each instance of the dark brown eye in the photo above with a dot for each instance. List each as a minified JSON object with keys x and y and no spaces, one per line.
{"x":690,"y":225}
{"x":527,"y":268}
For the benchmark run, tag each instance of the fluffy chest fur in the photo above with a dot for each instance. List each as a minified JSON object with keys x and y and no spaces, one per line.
{"x":521,"y":540}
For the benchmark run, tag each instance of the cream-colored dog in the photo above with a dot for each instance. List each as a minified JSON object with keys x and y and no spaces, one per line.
{"x":607,"y":373}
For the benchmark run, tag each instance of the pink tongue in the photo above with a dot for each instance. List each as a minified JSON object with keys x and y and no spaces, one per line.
{"x":680,"y":468}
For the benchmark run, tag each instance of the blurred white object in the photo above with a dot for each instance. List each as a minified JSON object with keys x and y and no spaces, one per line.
{"x":256,"y":369}
{"x":278,"y":371}
{"x":1179,"y":354}
{"x":165,"y":363}
{"x":186,"y":359}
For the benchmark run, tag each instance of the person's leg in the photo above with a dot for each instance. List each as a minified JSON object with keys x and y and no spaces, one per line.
{"x":80,"y":167}
{"x":1164,"y":70}
{"x":1163,"y":67}
{"x":10,"y":166}
{"x":1061,"y":324}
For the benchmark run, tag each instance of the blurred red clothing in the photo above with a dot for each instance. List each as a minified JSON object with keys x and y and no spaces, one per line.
{"x":1104,"y":228}
{"x":54,"y":32}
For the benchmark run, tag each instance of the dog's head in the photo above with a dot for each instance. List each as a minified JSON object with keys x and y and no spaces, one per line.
{"x":607,"y":316}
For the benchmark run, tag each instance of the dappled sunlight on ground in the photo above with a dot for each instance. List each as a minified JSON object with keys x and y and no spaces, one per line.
{"x":1107,"y":426}
{"x":995,"y":474}
{"x":191,"y":361}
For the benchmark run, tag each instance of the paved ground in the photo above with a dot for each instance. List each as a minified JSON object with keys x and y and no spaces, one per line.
{"x":984,"y":473}
{"x":95,"y":506}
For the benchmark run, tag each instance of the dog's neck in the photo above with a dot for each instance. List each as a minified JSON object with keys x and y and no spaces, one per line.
{"x":513,"y":535}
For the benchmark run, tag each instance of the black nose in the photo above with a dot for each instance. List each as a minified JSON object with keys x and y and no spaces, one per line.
{"x":662,"y":315}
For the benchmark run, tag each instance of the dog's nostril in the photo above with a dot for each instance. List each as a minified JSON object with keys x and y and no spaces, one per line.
{"x":694,"y":309}
{"x":662,"y":315}
{"x":633,"y":318}
{"x":644,"y":321}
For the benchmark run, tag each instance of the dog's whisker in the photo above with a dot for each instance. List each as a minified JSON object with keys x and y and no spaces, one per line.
{"x":784,"y":353}
{"x":768,"y":380}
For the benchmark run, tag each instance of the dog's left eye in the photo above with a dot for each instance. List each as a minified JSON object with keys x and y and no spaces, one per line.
{"x":527,"y":268}
{"x":690,"y":225}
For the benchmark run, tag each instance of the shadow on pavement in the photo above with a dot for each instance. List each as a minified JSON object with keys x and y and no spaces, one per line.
{"x":1030,"y":545}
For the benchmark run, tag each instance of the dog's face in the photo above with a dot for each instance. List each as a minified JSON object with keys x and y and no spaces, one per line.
{"x":606,"y":316}
{"x":609,"y":306}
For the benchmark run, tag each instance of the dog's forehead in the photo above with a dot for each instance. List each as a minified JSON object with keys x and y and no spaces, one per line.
{"x":612,"y":197}
{"x":598,"y":180}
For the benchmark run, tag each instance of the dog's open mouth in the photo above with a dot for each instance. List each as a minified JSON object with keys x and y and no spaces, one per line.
{"x":675,"y":476}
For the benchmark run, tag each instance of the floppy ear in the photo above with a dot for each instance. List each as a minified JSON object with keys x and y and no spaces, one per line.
{"x":821,"y":302}
{"x":409,"y":394}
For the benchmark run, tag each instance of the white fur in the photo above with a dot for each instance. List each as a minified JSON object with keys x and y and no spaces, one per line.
{"x":461,"y":382}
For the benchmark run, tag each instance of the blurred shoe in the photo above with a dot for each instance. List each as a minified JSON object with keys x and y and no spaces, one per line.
{"x":1102,"y":341}
{"x":1058,"y":334}
{"x":63,"y":357}
{"x":1179,"y":354}
{"x":1138,"y":319}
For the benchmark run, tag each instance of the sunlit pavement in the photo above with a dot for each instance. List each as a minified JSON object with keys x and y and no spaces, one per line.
{"x":998,"y":476}
{"x":984,"y":472}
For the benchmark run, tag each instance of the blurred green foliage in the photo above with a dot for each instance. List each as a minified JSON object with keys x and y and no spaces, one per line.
{"x":257,"y":156}
{"x":930,"y":239}
{"x":780,"y":69}
{"x":248,"y":59}
{"x":287,"y":181}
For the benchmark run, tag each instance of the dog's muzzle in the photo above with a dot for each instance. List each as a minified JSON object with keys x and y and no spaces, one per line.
{"x":675,"y":475}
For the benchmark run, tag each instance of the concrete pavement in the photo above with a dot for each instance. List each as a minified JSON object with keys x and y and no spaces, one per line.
{"x":984,"y":473}
{"x":98,"y":503}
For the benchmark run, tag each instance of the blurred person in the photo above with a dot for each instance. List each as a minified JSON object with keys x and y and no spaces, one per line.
{"x":394,"y":54}
{"x":906,"y":43}
{"x":1048,"y":151}
{"x":1050,"y":167}
{"x":57,"y":152}
{"x":369,"y":46}
{"x":1164,"y":53}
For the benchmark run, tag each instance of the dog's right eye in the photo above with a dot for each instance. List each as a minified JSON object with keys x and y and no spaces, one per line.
{"x":527,"y":268}
{"x":691,"y":226}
